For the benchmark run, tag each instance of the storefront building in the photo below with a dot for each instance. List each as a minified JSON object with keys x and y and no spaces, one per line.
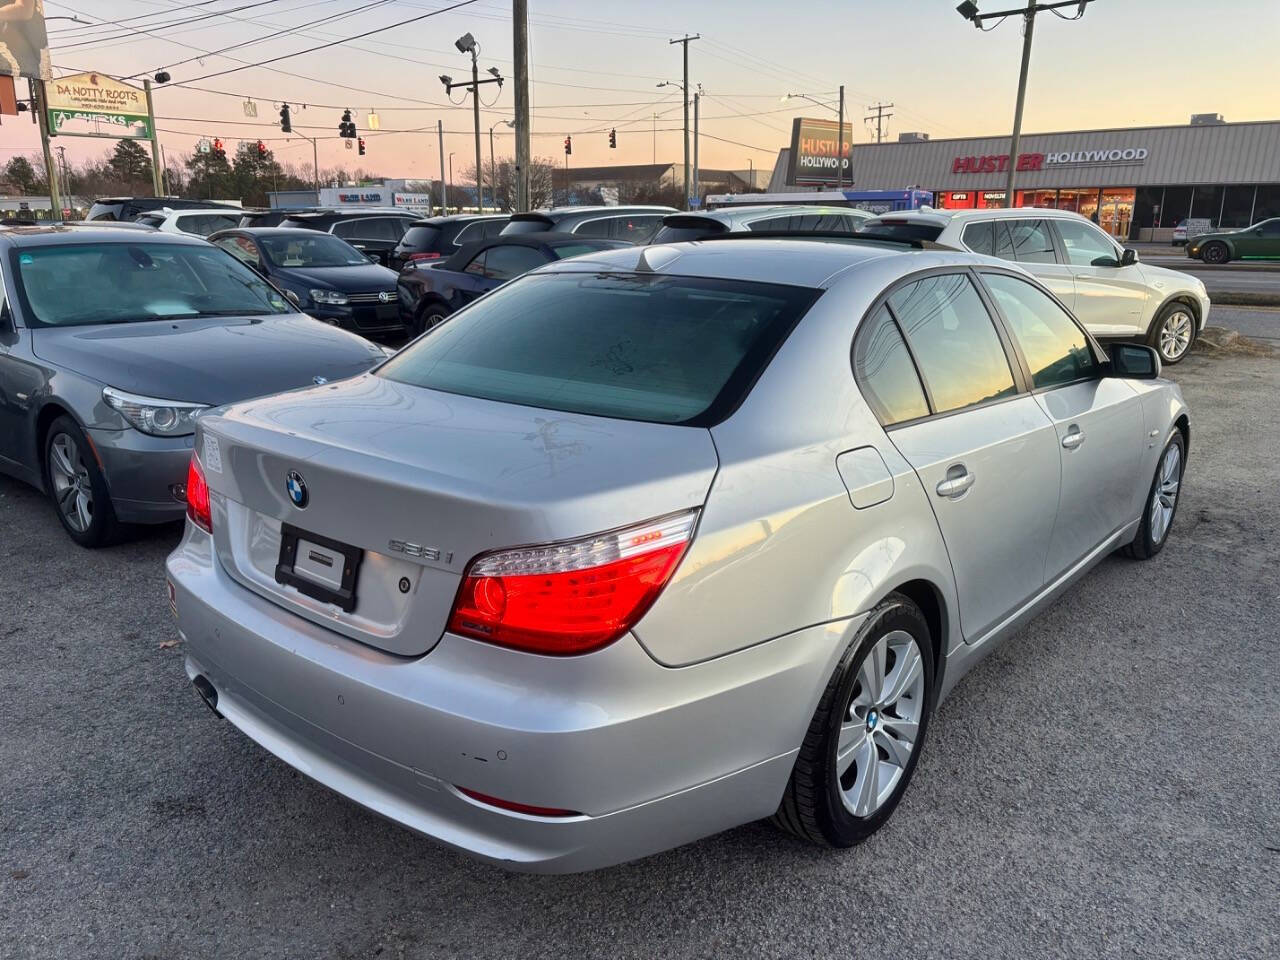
{"x":1136,"y":183}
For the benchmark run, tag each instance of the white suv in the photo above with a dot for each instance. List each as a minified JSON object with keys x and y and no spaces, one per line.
{"x":197,"y":222}
{"x":1106,"y":287}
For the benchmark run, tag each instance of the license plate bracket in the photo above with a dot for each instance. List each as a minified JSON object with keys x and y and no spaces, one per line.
{"x":340,"y":590}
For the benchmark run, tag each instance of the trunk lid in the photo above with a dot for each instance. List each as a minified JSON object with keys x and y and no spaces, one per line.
{"x":421,"y":481}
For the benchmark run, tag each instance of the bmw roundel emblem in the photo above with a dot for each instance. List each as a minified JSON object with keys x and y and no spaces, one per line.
{"x":297,"y":488}
{"x":384,"y":297}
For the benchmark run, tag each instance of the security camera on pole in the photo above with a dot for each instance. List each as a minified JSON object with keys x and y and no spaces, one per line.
{"x":467,"y":44}
{"x":969,"y":10}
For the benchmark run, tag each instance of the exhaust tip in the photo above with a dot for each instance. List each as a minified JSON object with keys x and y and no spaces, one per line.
{"x":207,"y":693}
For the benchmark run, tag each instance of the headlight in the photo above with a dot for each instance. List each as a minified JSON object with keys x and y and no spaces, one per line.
{"x":332,"y":297}
{"x":159,"y":418}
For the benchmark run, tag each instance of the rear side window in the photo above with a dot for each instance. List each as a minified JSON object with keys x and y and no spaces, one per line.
{"x":903,"y":229}
{"x":492,"y":228}
{"x":535,"y":225}
{"x":635,"y":229}
{"x":1056,"y":349}
{"x":507,"y":263}
{"x":601,"y":229}
{"x":1032,"y":242}
{"x":658,"y":348}
{"x":884,"y":369}
{"x":420,"y":237}
{"x":692,"y":228}
{"x":980,"y":238}
{"x":469,"y":234}
{"x":953,"y":340}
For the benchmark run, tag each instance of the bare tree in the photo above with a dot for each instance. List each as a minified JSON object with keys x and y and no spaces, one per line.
{"x":541,"y":183}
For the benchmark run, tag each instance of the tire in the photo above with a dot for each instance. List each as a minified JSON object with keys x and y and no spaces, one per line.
{"x":831,"y":801}
{"x":430,"y":314}
{"x":1173,"y":332}
{"x":1215,"y":251}
{"x":77,"y":487}
{"x":1161,"y":505}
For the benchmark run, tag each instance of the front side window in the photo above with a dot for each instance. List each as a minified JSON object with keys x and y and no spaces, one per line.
{"x":1056,"y":349}
{"x":1270,"y":228}
{"x":1087,"y":246}
{"x":953,"y":340}
{"x":132,"y":282}
{"x":507,"y":263}
{"x":1031,"y":241}
{"x":652,"y":347}
{"x":311,"y":250}
{"x":883,"y":367}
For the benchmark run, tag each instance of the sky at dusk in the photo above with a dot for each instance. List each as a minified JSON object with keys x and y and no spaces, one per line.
{"x":597,"y":65}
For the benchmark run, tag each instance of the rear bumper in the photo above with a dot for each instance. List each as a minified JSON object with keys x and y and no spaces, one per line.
{"x":146,"y":475}
{"x":651,"y":756}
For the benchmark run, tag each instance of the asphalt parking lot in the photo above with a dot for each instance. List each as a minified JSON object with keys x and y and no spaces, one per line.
{"x":1108,"y":784}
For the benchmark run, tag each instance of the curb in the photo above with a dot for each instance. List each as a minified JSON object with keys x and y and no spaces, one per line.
{"x":1228,"y":298}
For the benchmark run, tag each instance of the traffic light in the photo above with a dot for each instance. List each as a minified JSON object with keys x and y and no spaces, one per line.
{"x":218,"y":148}
{"x":568,"y":146}
{"x":286,"y":123}
{"x":360,"y":144}
{"x":613,"y":139}
{"x":347,"y":128}
{"x":262,"y":150}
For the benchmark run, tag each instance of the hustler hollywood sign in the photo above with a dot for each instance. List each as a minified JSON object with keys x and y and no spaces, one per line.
{"x":999,"y":163}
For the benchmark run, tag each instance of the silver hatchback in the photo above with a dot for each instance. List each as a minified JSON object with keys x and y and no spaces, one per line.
{"x":658,"y":541}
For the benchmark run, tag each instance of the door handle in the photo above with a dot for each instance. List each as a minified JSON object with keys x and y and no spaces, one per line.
{"x":1073,"y":439}
{"x":957,"y":484}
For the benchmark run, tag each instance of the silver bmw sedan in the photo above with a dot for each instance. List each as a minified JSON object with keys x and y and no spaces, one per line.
{"x":658,"y":541}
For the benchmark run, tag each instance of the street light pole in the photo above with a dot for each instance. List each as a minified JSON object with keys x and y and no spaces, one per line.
{"x":840,"y":142}
{"x":467,"y":44}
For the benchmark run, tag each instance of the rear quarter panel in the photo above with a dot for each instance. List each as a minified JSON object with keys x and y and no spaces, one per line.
{"x":780,"y":545}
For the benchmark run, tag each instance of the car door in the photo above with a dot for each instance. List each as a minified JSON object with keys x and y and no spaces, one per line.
{"x":1098,"y":420}
{"x":985,"y":453}
{"x":1110,"y":298}
{"x":471,"y":281}
{"x":1260,"y":240}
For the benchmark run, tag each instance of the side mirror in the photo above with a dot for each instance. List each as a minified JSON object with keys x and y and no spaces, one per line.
{"x":372,"y":259}
{"x":1129,"y":257}
{"x":1134,"y":361}
{"x":6,"y":318}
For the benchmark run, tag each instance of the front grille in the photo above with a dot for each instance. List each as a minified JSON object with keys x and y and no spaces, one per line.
{"x":374,"y":297}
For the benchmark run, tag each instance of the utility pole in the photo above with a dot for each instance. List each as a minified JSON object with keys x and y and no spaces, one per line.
{"x":66,"y":176}
{"x":684,"y":91}
{"x":156,"y":183}
{"x":42,"y":118}
{"x":444,"y":188}
{"x":520,"y":26}
{"x":969,"y":10}
{"x":467,"y":44}
{"x":879,"y":117}
{"x":840,"y":143}
{"x":655,"y":138}
{"x":696,"y":179}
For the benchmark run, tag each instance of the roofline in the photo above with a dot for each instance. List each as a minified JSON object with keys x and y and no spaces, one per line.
{"x":1055,"y":133}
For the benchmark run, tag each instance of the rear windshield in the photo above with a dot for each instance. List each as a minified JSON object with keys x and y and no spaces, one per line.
{"x":420,"y":236}
{"x":105,"y":211}
{"x":902,"y":229}
{"x":662,"y":349}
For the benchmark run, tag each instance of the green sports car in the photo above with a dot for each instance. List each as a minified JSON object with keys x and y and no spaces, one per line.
{"x":1258,"y":242}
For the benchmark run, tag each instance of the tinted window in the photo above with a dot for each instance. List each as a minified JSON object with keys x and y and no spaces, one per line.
{"x":884,"y":369}
{"x":536,"y":225}
{"x":1086,"y":244}
{"x":564,"y":251}
{"x":1055,"y":348}
{"x":636,"y":229}
{"x":954,"y":341}
{"x":776,"y":224}
{"x":507,"y":263}
{"x":600,"y":228}
{"x":980,"y":238}
{"x":491,"y":228}
{"x":127,"y":282}
{"x":205,"y":224}
{"x":470,"y":233}
{"x":420,"y":237}
{"x":661,"y":348}
{"x":903,"y":229}
{"x":688,"y":230}
{"x":149,"y":220}
{"x":476,"y":266}
{"x":369,"y":228}
{"x":349,"y":228}
{"x":1031,"y":241}
{"x":311,"y":250}
{"x":1270,"y":228}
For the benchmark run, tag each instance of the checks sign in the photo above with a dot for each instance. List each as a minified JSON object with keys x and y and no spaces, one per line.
{"x":94,"y":105}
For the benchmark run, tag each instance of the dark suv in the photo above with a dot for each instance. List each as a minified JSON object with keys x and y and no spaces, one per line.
{"x":129,"y":209}
{"x":634,"y":224}
{"x":374,"y":232}
{"x":435,"y":238}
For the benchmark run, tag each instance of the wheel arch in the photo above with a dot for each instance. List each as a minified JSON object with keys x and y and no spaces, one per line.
{"x":1186,"y":299}
{"x":929,"y":598}
{"x":49,"y":412}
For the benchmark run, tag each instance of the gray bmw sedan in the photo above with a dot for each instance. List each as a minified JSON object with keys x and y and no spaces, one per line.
{"x":654,"y":542}
{"x":112,"y":342}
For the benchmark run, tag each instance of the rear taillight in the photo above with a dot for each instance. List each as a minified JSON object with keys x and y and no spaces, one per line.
{"x":422,"y":256}
{"x":574,"y":596}
{"x":198,"y":496}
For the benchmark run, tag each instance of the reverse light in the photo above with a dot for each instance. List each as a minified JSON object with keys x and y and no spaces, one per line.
{"x":198,"y":496}
{"x":574,"y":596}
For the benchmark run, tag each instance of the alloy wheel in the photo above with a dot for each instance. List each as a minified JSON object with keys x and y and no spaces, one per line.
{"x":1175,"y":335}
{"x":1164,"y":498}
{"x":881,"y":725}
{"x":1214,"y":253}
{"x":72,"y":488}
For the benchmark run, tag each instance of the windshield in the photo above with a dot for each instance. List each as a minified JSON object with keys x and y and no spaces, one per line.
{"x":663,"y":349}
{"x":312,"y":250}
{"x":81,"y":284}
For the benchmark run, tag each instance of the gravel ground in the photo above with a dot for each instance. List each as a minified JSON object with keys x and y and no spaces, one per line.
{"x":1106,"y":785}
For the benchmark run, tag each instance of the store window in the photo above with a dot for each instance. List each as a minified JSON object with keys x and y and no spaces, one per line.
{"x":1176,"y":206}
{"x":1267,"y":203}
{"x":1206,"y":203}
{"x":1147,"y":205}
{"x":1237,"y":206}
{"x":1115,"y":212}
